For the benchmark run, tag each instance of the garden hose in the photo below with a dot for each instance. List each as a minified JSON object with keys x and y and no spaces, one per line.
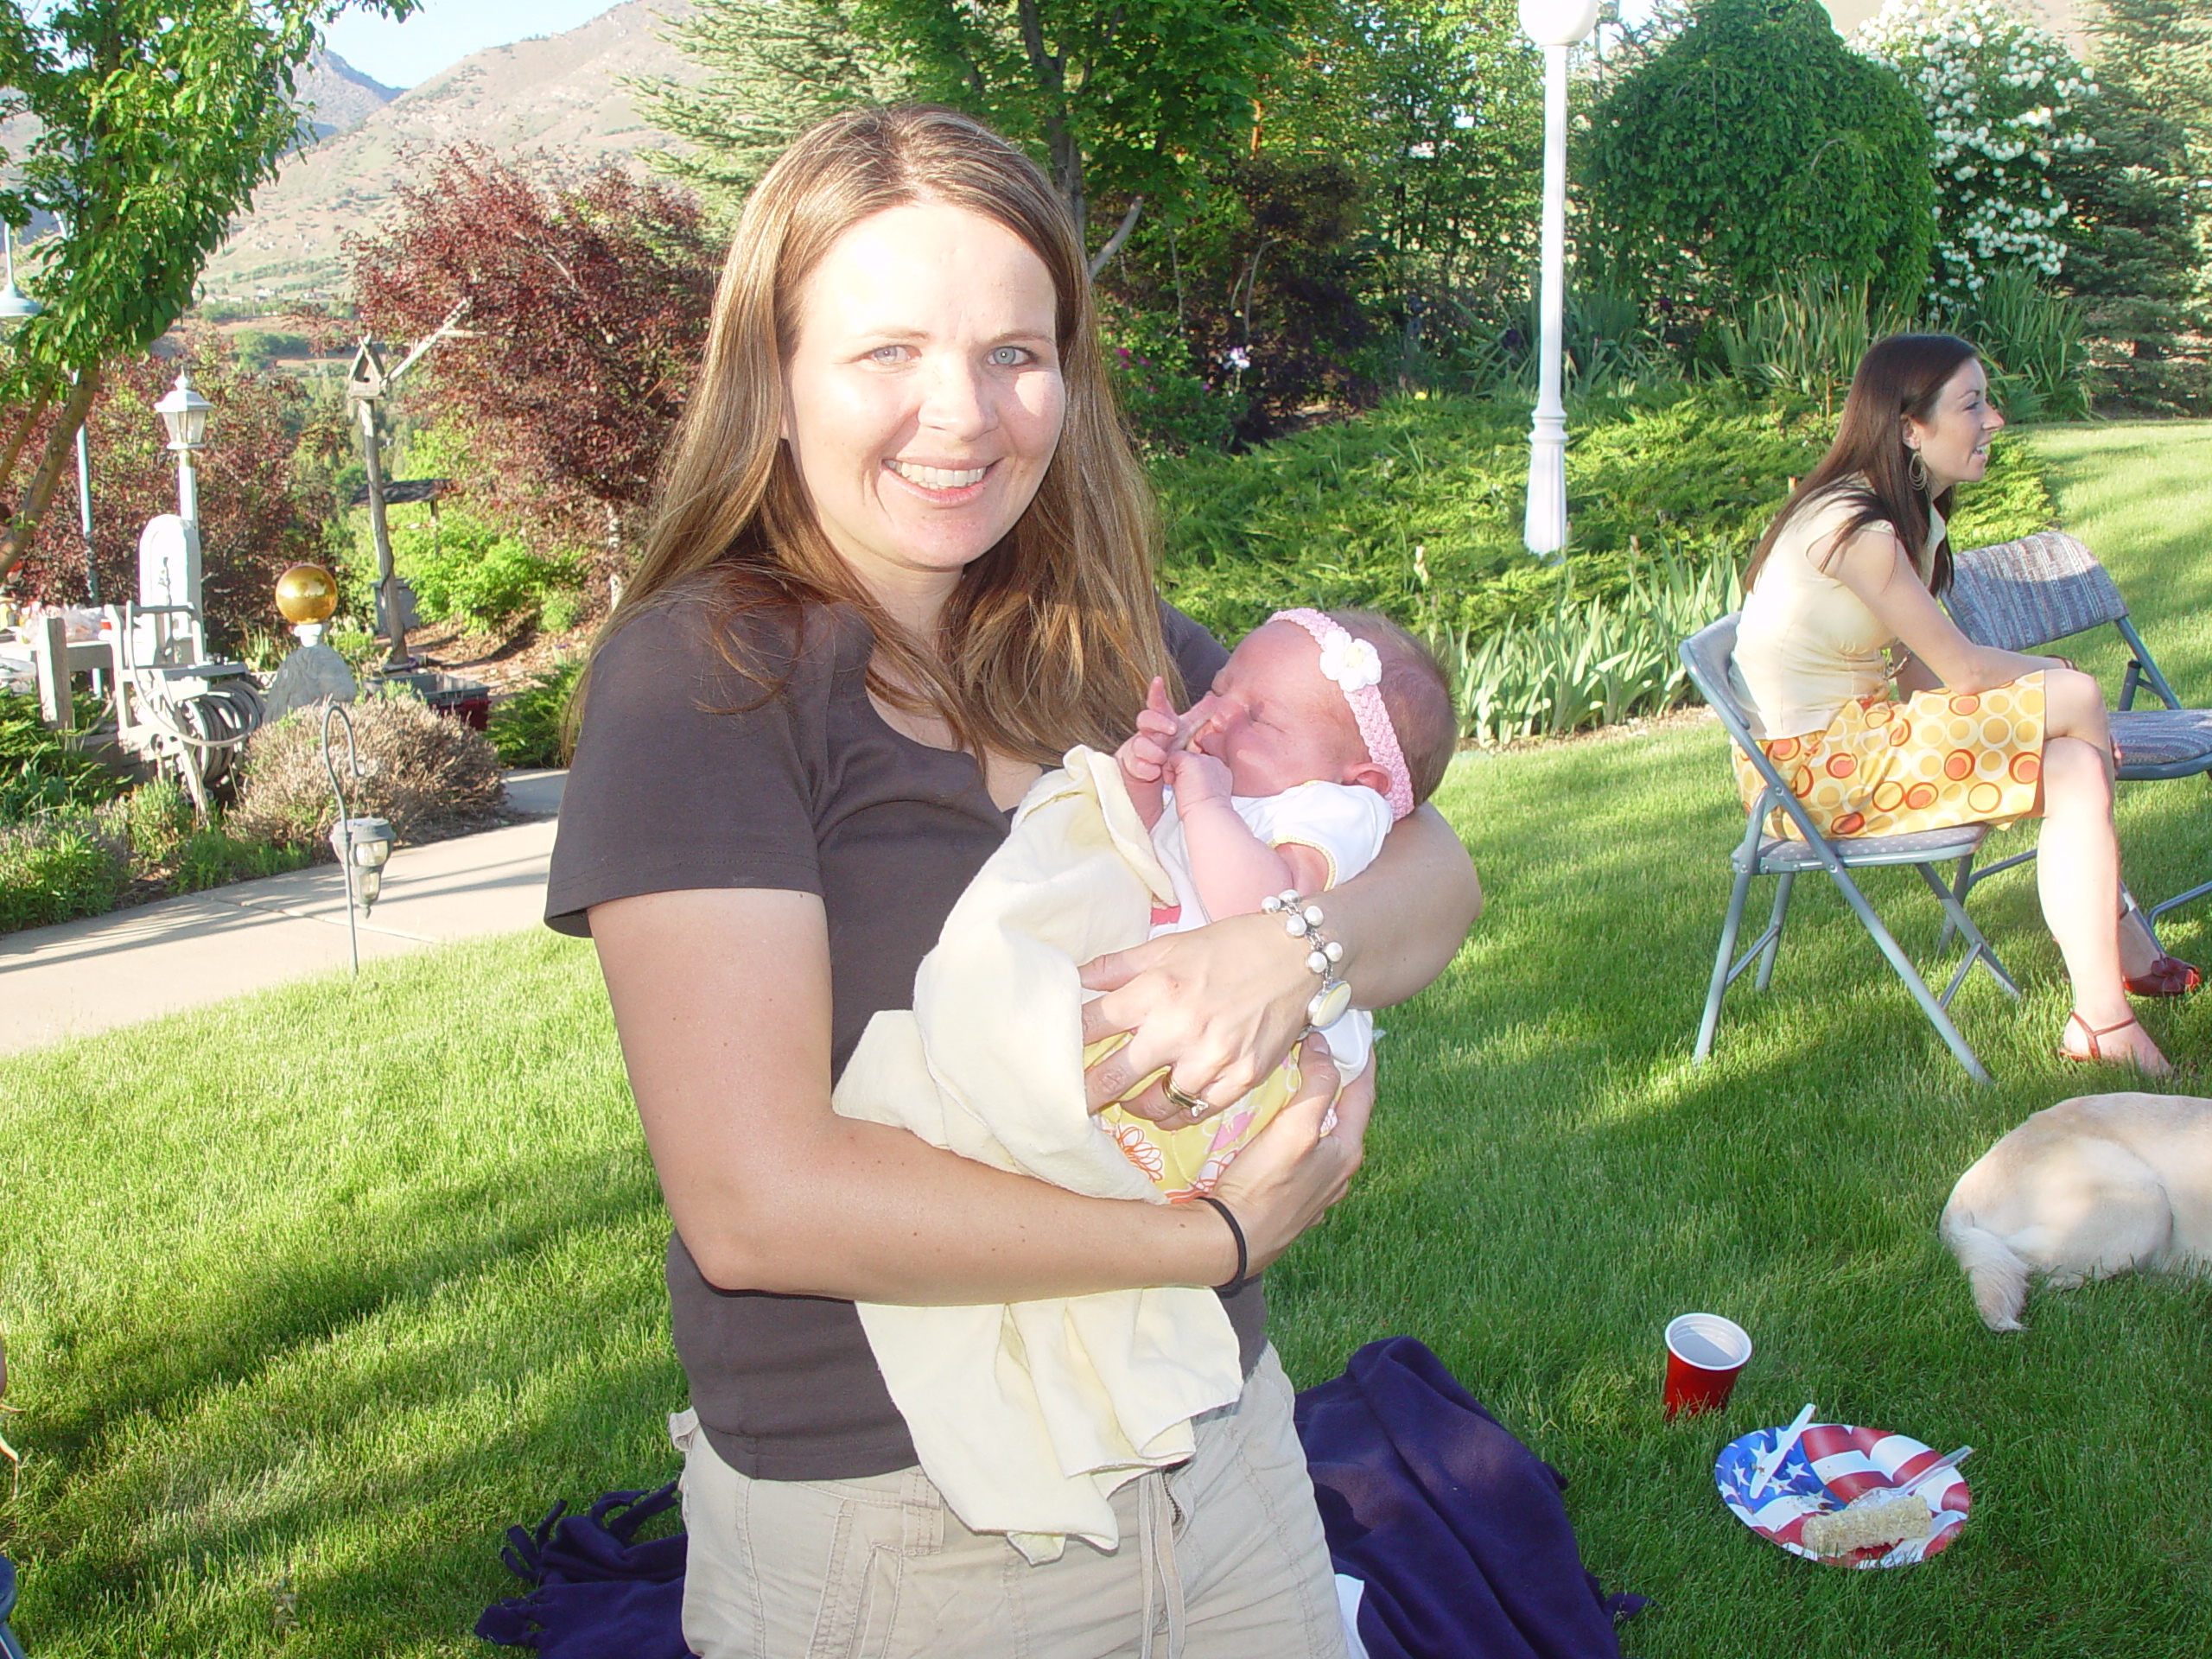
{"x":219,"y":718}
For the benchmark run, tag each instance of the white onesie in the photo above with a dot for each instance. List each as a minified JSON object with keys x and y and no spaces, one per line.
{"x":1344,"y":822}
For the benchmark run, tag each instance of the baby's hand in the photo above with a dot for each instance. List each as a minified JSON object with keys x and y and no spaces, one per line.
{"x":1145,"y":757}
{"x":1196,"y":776}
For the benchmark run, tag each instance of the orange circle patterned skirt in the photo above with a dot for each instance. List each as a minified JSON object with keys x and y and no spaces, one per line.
{"x":1934,"y":762}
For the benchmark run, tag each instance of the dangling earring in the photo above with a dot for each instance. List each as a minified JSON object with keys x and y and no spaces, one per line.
{"x":1915,"y":469}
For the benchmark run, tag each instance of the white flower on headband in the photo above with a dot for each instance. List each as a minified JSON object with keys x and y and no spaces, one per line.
{"x":1350,"y":663}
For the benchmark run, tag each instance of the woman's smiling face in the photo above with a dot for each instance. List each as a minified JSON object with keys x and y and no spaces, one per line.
{"x":1954,"y":440}
{"x":923,"y":396}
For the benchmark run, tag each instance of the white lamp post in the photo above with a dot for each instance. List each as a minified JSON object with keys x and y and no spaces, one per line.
{"x":1557,"y":26}
{"x":184,"y":411}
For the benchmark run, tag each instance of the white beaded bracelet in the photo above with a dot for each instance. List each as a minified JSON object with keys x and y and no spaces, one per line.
{"x":1302,"y":920}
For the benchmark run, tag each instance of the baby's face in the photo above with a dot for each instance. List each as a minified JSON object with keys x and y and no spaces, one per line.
{"x":1273,"y":719}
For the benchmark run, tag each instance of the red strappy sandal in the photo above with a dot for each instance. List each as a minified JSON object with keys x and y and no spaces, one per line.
{"x":2167,"y":976}
{"x":2096,"y":1055}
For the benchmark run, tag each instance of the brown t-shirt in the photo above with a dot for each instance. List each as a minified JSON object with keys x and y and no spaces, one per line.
{"x":675,"y":785}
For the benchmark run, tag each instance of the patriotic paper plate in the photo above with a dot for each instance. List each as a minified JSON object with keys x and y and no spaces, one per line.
{"x":1832,"y":1464}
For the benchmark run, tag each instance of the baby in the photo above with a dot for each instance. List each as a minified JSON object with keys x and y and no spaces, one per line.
{"x":1319,"y":732}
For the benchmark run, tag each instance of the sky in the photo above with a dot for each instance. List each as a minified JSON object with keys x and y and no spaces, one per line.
{"x":443,"y":32}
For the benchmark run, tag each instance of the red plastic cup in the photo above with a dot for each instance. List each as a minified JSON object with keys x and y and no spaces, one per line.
{"x":1704,"y":1353}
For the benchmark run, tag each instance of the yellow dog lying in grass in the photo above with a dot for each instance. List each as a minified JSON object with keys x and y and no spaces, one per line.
{"x":2088,"y":1188}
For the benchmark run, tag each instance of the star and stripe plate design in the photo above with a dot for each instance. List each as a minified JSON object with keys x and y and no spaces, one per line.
{"x":1832,"y":1464}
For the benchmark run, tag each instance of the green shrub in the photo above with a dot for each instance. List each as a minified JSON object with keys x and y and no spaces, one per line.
{"x":40,"y":772}
{"x":2012,"y":499}
{"x":1595,"y":663}
{"x":1606,"y":346}
{"x":427,"y":773}
{"x":1416,"y":509}
{"x":360,"y":648}
{"x":56,"y":869}
{"x":216,"y":855}
{"x":166,"y":845}
{"x":464,"y":570}
{"x":526,"y":728}
{"x":562,"y":609}
{"x":152,"y":820}
{"x":255,"y":348}
{"x":1750,"y":149}
{"x":1807,"y":338}
{"x":1169,"y":407}
{"x":2031,"y":341}
{"x":61,"y":866}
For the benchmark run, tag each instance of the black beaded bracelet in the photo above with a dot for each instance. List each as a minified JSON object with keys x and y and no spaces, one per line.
{"x":1244,"y":1259}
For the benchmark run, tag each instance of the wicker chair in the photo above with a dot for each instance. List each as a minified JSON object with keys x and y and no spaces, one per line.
{"x":2023,"y":595}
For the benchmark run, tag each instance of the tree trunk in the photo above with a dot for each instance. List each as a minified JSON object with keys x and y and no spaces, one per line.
{"x":60,"y":443}
{"x":1060,"y":146}
{"x":1104,"y":257}
{"x":23,"y":428}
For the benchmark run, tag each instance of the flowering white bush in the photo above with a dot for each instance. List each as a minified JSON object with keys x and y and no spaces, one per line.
{"x":2005,"y":98}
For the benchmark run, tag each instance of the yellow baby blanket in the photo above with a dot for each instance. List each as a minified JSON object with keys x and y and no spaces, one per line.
{"x":1028,"y":1415}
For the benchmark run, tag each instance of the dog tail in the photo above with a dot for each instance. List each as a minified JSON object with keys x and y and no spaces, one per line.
{"x":1994,"y":1268}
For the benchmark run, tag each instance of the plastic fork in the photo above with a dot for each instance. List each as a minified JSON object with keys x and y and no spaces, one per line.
{"x":1772,"y":1461}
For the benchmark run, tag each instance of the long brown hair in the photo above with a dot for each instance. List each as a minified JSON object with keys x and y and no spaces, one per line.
{"x":1868,"y":464}
{"x":1051,"y":635}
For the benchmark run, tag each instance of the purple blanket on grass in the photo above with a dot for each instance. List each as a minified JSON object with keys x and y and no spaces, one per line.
{"x":1456,"y":1527}
{"x":599,"y":1593}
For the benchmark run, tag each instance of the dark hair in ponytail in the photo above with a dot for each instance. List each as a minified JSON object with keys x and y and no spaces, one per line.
{"x":1868,"y":464}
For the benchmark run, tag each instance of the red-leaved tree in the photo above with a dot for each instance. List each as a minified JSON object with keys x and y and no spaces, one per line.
{"x":587,"y":304}
{"x":261,"y":511}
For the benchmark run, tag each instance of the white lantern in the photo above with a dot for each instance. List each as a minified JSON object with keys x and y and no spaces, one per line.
{"x":363,"y":845}
{"x":1558,"y":23}
{"x":184,"y":411}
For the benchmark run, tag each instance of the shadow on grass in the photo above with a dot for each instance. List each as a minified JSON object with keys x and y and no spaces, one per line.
{"x":268,"y":1435}
{"x":270,"y":1309}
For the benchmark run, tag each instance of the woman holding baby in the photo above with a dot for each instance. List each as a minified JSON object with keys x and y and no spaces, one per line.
{"x":1861,"y":682}
{"x":903,"y":561}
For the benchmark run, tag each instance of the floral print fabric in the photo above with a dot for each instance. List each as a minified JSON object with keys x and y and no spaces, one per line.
{"x":1932,"y":761}
{"x":1183,"y":1163}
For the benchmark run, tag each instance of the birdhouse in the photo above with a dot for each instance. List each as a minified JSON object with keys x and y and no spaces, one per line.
{"x":366,"y":379}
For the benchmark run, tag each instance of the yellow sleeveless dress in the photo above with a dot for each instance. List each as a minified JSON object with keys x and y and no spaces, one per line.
{"x":1811,"y":660}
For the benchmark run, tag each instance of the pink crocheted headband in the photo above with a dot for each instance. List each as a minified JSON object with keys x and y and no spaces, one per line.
{"x":1356,"y":668}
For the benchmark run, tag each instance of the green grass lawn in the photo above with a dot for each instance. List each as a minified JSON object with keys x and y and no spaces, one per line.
{"x":309,"y":1295}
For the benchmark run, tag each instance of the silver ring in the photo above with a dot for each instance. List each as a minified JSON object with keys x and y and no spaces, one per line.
{"x":1190,"y":1103}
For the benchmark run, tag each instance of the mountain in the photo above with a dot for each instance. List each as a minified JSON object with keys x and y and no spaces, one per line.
{"x":340,"y":97}
{"x":561,"y":94}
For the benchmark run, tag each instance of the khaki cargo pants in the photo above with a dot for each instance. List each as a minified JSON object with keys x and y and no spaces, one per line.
{"x":1220,"y":1558}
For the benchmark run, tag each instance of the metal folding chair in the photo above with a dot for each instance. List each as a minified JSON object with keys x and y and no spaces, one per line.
{"x":2025,"y":595}
{"x":1705,"y":655}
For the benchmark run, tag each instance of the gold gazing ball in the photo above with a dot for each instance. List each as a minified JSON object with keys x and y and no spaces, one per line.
{"x":307,"y":593}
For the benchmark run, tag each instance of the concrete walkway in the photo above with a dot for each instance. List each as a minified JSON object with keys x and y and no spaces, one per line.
{"x":106,"y":971}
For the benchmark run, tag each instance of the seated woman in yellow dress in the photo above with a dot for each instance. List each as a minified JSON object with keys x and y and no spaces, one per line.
{"x":1885,"y":719}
